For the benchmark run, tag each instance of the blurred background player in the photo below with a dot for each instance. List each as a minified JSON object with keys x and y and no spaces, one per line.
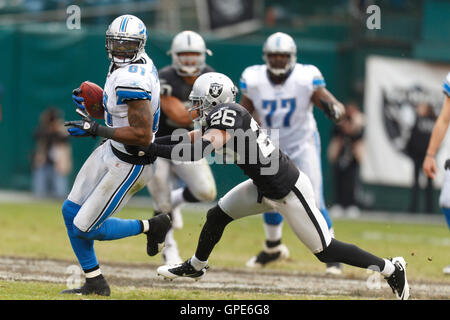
{"x":119,"y":167}
{"x":188,"y":52}
{"x":280,"y":94}
{"x":429,"y":164}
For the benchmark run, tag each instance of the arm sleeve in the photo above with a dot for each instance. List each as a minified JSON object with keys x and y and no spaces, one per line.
{"x":132,"y":85}
{"x":318,"y":80}
{"x":243,"y":85}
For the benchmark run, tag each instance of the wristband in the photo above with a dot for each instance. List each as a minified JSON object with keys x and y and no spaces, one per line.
{"x":105,"y":132}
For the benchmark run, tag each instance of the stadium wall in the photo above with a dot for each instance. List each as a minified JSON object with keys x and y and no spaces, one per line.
{"x":43,"y":63}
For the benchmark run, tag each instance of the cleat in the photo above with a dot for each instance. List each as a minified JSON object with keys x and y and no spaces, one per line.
{"x":268,"y":255}
{"x":184,"y":269}
{"x":158,"y":227}
{"x":334,"y":268}
{"x":397,"y":281}
{"x":91,"y":286}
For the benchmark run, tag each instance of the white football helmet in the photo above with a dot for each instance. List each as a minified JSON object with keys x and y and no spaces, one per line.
{"x":188,"y":41}
{"x":125,"y":40}
{"x":210,"y":90}
{"x":280,"y":42}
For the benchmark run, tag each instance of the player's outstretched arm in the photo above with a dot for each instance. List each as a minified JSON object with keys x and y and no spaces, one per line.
{"x":189,"y":151}
{"x":324,"y":100}
{"x":438,"y":134}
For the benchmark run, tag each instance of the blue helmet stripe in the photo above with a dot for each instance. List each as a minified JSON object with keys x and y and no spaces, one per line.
{"x":122,"y":25}
{"x":278,"y":42}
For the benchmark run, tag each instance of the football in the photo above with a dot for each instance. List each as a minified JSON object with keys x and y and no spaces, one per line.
{"x":93,"y":99}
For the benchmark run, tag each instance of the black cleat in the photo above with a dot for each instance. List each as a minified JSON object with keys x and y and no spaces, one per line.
{"x":184,"y":269}
{"x":96,"y":285}
{"x":158,"y":227}
{"x":398,"y":281}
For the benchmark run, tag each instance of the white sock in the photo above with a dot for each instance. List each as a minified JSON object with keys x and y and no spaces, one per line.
{"x":146,"y":225}
{"x":273,"y":232}
{"x":93,"y":274}
{"x":389,"y":268}
{"x":197,"y":264}
{"x":176,"y":197}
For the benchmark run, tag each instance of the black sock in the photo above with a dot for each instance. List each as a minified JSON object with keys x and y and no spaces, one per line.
{"x":273,"y":244}
{"x":349,"y":254}
{"x":216,"y":221}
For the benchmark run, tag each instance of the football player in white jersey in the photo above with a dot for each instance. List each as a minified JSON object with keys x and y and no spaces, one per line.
{"x":188,"y":51}
{"x":120,"y":166}
{"x":429,"y":163}
{"x":281,"y":94}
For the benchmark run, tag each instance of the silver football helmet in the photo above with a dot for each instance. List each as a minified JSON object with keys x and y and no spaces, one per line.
{"x":125,"y":40}
{"x":208,"y":91}
{"x":280,"y":42}
{"x":188,"y":42}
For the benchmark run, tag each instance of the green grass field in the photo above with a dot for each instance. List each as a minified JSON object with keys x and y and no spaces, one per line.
{"x":37,"y":231}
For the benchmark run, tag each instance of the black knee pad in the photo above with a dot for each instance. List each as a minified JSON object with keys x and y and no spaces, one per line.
{"x":217,"y":216}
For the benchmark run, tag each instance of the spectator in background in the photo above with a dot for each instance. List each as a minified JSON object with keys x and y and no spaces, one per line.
{"x":52,"y":159}
{"x":344,"y":153}
{"x":416,"y":149}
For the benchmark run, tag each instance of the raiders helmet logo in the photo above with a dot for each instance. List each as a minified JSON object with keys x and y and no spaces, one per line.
{"x":215,"y":89}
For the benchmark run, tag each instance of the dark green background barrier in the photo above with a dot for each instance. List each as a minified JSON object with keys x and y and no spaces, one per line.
{"x":45,"y":62}
{"x":41,"y":64}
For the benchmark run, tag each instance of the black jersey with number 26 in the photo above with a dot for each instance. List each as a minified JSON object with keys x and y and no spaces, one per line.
{"x":273,"y":173}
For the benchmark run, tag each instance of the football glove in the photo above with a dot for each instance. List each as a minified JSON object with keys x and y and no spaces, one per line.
{"x":77,"y":99}
{"x":332,"y":110}
{"x":82,"y":128}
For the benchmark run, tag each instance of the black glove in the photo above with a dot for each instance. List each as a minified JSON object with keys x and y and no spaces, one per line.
{"x":332,"y":111}
{"x":82,"y":128}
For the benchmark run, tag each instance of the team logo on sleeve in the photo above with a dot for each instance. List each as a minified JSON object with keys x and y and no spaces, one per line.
{"x":215,"y":89}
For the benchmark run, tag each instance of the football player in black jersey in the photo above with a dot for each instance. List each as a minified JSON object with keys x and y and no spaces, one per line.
{"x":188,"y":51}
{"x":274,"y":183}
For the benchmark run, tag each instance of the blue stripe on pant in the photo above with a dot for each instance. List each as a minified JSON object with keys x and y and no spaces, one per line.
{"x":105,"y":229}
{"x":119,"y":195}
